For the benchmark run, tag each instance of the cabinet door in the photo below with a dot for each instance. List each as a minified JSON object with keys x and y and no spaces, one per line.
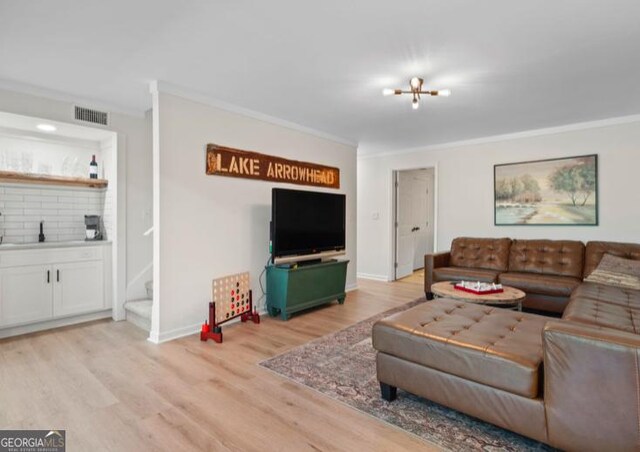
{"x":78,"y":288}
{"x":25,"y":294}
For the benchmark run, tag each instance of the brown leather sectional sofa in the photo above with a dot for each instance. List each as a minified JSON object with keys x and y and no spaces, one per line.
{"x":573,"y":383}
{"x":548,"y":271}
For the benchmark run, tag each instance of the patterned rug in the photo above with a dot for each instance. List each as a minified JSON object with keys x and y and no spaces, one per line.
{"x":342,"y":366}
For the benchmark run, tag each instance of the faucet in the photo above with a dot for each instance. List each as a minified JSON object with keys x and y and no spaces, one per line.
{"x":41,"y":236}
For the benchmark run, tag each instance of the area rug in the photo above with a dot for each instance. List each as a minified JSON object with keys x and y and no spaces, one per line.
{"x":342,"y":366}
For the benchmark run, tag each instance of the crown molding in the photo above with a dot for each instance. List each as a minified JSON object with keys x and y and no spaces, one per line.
{"x":158,"y":86}
{"x":510,"y":136}
{"x":33,"y":90}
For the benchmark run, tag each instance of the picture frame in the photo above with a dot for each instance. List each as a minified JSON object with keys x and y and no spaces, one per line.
{"x":552,"y":192}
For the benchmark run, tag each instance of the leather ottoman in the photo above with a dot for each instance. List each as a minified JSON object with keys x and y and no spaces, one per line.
{"x":482,"y":360}
{"x":485,"y":344}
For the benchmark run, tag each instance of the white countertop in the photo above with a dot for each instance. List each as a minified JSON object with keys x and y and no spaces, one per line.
{"x":37,"y":245}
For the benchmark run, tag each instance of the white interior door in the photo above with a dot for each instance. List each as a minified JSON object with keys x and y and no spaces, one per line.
{"x":404,"y":225}
{"x":420,"y":189}
{"x":414,"y":219}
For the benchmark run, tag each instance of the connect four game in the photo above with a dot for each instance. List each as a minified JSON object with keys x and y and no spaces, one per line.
{"x":231,"y":295}
{"x":231,"y":298}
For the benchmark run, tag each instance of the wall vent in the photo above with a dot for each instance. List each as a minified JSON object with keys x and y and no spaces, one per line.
{"x":92,"y":116}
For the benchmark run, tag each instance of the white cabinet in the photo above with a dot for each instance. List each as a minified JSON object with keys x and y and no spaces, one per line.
{"x":25,"y":294}
{"x":49,"y":284}
{"x":78,"y":288}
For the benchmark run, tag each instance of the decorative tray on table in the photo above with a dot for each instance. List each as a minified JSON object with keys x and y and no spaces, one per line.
{"x":479,"y":288}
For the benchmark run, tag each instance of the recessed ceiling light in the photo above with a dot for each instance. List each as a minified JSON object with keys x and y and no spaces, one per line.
{"x":47,"y":127}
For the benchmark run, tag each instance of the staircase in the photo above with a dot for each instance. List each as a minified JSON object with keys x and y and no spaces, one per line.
{"x":139,"y":311}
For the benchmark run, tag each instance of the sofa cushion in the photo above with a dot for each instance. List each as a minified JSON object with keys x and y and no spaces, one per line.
{"x":616,"y":271}
{"x":607,"y":294}
{"x":595,"y":250}
{"x":600,"y":313}
{"x":490,"y":254}
{"x":559,"y":286}
{"x":492,"y":346}
{"x":547,"y":257}
{"x":466,"y":274}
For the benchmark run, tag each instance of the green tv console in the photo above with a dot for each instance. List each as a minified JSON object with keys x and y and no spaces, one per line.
{"x":294,"y":288}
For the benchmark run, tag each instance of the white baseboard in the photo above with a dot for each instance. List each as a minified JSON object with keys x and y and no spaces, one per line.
{"x":158,"y":338}
{"x":154,"y":337}
{"x":372,"y":277}
{"x":194,"y":329}
{"x":57,"y":323}
{"x":187,"y":331}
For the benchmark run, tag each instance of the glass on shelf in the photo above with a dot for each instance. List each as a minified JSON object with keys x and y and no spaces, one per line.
{"x":26,"y":162}
{"x":69,"y":166}
{"x":3,"y":160}
{"x":80,"y":168}
{"x":14,"y":162}
{"x":45,"y":168}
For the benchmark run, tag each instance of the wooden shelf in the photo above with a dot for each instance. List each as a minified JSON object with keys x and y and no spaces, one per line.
{"x":29,"y":178}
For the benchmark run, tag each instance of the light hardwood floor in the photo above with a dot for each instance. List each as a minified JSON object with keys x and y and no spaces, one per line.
{"x":415,"y":277}
{"x":113,"y":390}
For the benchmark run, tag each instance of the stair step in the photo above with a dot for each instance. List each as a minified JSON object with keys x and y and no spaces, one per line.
{"x":139,"y":307}
{"x":139,"y":313}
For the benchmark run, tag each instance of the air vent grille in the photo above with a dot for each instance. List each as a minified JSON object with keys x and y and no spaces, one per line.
{"x":92,"y":116}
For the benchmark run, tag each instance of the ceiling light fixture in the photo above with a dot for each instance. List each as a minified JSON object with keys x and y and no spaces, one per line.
{"x":46,"y":127}
{"x":416,"y":90}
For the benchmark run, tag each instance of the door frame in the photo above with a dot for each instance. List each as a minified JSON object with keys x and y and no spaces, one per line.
{"x":394,"y":213}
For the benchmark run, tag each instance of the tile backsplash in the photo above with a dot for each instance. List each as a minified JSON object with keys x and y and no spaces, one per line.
{"x":62,"y":209}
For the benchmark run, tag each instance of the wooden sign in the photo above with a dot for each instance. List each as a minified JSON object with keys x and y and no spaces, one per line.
{"x":223,"y":161}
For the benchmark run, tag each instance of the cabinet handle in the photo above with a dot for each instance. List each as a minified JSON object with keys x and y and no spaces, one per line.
{"x":48,"y":276}
{"x":58,"y":275}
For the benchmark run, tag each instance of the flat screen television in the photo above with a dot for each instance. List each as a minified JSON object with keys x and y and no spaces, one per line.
{"x":306,"y":222}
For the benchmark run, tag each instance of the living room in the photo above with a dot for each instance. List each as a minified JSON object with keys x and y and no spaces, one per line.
{"x":255,"y":148}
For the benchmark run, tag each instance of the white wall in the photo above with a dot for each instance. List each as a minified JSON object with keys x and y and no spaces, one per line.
{"x":464,"y":190}
{"x":211,"y":226}
{"x":135,"y":197}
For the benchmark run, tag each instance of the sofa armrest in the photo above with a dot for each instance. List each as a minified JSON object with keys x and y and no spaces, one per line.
{"x":432,"y":261}
{"x":591,"y":386}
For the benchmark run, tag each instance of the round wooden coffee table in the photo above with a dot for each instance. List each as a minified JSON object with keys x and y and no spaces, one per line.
{"x":511,"y":297}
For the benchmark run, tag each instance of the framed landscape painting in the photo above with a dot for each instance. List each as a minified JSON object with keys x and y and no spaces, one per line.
{"x":561,"y":191}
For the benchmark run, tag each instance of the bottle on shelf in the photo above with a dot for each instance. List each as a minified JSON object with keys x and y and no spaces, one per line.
{"x":93,"y":168}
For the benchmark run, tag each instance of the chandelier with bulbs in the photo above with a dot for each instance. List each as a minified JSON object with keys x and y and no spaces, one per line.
{"x":416,"y":91}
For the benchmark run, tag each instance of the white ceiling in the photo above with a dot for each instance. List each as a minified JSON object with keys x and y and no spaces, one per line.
{"x":28,"y":125}
{"x":511,"y":65}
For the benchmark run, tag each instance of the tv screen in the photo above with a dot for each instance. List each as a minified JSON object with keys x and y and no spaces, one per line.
{"x":306,"y":222}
